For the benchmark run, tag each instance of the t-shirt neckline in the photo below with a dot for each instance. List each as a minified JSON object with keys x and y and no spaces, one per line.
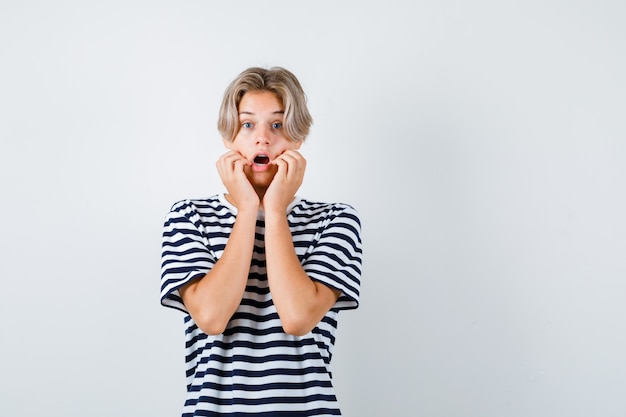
{"x":261,"y":212}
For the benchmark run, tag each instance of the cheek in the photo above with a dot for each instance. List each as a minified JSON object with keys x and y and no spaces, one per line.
{"x":238,"y":144}
{"x":243,"y":135}
{"x":296,"y":145}
{"x":291,"y":146}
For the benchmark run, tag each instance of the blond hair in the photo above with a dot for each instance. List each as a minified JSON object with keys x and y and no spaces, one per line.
{"x":297,"y":119}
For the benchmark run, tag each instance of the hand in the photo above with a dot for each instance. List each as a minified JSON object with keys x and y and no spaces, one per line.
{"x":289,"y":175}
{"x":230,"y":167}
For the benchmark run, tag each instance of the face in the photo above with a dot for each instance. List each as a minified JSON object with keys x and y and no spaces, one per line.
{"x":261,"y":137}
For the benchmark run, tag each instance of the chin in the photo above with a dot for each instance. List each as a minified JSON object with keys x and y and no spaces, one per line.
{"x":261,"y":179}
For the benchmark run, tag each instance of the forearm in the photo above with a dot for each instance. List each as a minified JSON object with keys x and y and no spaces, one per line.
{"x":213,"y":299}
{"x":301,"y":302}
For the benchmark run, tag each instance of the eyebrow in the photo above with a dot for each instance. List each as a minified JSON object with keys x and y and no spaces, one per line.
{"x":252,"y":114}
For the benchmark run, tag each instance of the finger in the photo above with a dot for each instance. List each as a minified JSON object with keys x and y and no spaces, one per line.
{"x":285,"y":158}
{"x":281,"y":168}
{"x":293,"y":156}
{"x":225,"y":163}
{"x":232,"y":161}
{"x":239,"y":164}
{"x":294,"y":153}
{"x":293,"y":161}
{"x":226,"y":159}
{"x":231,"y":157}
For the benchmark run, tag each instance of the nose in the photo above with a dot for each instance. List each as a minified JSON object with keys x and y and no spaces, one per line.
{"x":263,"y":136}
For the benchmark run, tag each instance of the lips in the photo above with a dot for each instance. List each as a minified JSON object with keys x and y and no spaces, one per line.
{"x":261,"y":162}
{"x":261,"y":159}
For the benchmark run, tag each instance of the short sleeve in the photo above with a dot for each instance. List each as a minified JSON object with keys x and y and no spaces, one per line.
{"x":185,"y":253}
{"x":336,"y":257}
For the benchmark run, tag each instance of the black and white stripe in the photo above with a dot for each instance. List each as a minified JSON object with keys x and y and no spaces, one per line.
{"x":254,"y":367}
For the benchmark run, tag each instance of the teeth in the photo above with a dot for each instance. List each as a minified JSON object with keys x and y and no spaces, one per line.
{"x":261,"y":159}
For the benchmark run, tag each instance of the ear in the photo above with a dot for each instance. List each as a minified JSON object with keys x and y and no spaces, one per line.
{"x":227,"y":143}
{"x":298,"y":144}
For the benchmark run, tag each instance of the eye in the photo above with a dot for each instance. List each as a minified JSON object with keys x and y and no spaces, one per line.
{"x":277,"y":125}
{"x":246,"y":125}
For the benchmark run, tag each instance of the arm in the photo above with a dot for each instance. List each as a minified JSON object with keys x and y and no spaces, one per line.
{"x":301,"y":302}
{"x":213,"y":299}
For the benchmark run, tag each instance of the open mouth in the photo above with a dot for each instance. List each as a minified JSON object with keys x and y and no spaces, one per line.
{"x":261,"y":160}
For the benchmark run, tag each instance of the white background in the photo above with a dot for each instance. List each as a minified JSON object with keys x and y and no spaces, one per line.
{"x":483,"y":142}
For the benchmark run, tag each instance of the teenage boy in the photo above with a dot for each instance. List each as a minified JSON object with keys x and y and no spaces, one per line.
{"x":259,"y":272}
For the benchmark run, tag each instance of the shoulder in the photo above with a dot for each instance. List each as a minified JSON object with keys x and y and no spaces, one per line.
{"x":315,"y":209}
{"x":194,"y":205}
{"x":199,"y":212}
{"x":211,"y":206}
{"x":322,"y":215}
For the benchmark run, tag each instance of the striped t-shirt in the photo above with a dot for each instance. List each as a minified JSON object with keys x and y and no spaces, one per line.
{"x":254,"y":368}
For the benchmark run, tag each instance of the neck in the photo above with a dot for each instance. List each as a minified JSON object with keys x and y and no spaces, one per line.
{"x":260,"y":191}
